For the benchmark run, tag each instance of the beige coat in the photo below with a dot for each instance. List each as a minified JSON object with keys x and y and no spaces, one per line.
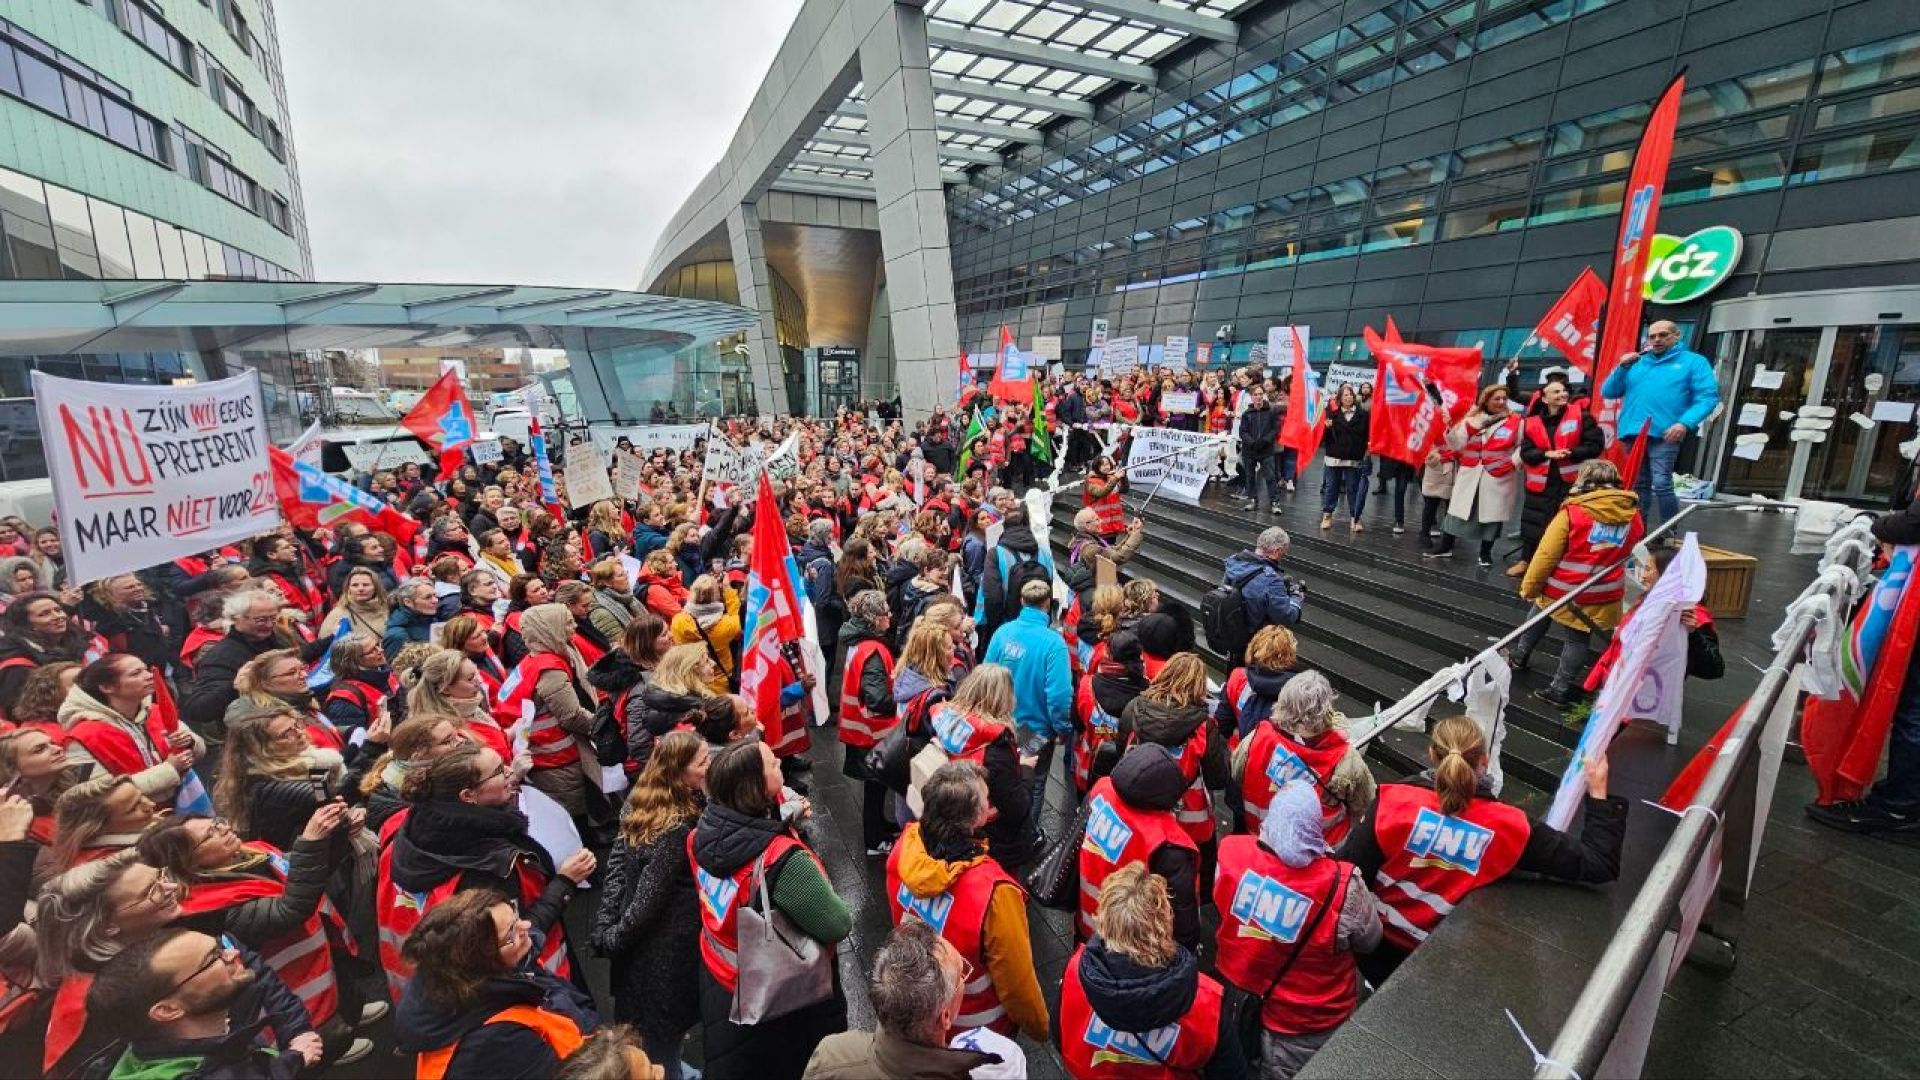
{"x":1477,"y":496}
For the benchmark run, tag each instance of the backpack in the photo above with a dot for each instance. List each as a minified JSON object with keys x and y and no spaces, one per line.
{"x":1223,"y":615}
{"x":609,"y":732}
{"x":1022,"y":571}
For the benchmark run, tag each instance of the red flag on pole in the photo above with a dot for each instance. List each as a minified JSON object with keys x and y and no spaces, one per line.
{"x":1393,"y":332}
{"x":1012,"y":381}
{"x":1570,"y":325}
{"x":311,"y":499}
{"x":443,"y":419}
{"x":1639,"y":213}
{"x":1630,"y":469}
{"x":1406,"y":423}
{"x":1306,"y":408}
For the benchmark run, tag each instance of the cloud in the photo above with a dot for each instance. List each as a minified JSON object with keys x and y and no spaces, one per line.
{"x":511,"y":141}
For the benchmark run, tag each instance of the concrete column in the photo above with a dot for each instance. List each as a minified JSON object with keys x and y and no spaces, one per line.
{"x":756,"y":295}
{"x":912,"y":205}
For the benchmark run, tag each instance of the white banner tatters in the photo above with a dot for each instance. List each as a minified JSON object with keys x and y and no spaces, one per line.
{"x":1185,"y":474}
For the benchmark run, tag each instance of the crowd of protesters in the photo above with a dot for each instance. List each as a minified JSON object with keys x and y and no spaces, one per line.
{"x":260,"y":800}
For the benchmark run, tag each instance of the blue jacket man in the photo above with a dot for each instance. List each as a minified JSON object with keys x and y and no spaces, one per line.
{"x":1035,"y":654}
{"x":1270,"y":597}
{"x":1669,"y":389}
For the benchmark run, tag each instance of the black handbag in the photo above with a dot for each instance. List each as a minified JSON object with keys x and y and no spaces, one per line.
{"x":1054,"y":881}
{"x":1246,"y":1019}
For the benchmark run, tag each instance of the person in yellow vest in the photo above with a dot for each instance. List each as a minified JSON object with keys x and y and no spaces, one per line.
{"x":1134,"y":1003}
{"x":480,"y":1005}
{"x":1596,"y":530}
{"x":1557,"y":437}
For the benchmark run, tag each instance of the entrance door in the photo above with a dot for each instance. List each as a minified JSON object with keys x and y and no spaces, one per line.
{"x":1793,"y":354}
{"x":1874,"y":375}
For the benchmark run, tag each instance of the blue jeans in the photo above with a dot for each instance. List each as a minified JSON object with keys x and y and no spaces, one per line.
{"x":1654,"y":485}
{"x":1289,"y":464}
{"x":1899,"y":791}
{"x":1348,"y":480}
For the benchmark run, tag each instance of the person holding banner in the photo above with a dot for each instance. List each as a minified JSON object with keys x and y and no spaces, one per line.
{"x":1488,"y":481}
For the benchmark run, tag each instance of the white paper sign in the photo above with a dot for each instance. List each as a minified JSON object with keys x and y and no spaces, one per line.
{"x":549,"y":824}
{"x":1862,"y":419}
{"x":1753,"y":414}
{"x":1808,"y":435}
{"x":1893,"y":412}
{"x":1285,"y":344}
{"x":648,"y":437}
{"x":1749,"y":451}
{"x":485,"y":451}
{"x":1047,"y":347}
{"x":387,"y":455}
{"x":1344,"y":374}
{"x":1177,"y":351}
{"x":1768,"y":380}
{"x":1120,"y":356}
{"x":1185,"y":473}
{"x":587,"y":481}
{"x":143,"y":475}
{"x":1180,"y":401}
{"x":728,"y":464}
{"x":1098,"y":338}
{"x":1819,"y":412}
{"x":626,"y":475}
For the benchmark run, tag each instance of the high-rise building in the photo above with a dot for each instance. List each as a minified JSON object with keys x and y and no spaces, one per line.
{"x":910,"y":177}
{"x":485,"y":371}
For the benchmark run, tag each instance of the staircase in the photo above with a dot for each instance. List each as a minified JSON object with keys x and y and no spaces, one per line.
{"x":1377,"y":624}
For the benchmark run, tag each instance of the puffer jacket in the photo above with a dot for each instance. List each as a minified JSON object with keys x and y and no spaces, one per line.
{"x":1149,"y":779}
{"x":652,"y":713}
{"x":158,"y":780}
{"x":1609,"y":506}
{"x":1129,"y":996}
{"x":1171,"y":726}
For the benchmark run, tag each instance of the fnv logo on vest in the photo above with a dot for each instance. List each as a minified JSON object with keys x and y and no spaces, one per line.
{"x":1107,"y":832}
{"x":1285,"y":766}
{"x":952,"y":728}
{"x":1266,"y":908}
{"x":1600,"y":534}
{"x":716,"y":893}
{"x":932,"y":910}
{"x":1439,"y":840}
{"x":1127,"y":1048}
{"x":1102,"y":721}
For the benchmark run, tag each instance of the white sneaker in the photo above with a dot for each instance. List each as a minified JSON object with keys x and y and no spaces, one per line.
{"x":355,"y":1051}
{"x":371,"y":1012}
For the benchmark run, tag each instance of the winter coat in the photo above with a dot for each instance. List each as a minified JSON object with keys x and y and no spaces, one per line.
{"x":483,"y":847}
{"x":1036,"y":656}
{"x":1609,"y":506}
{"x":405,"y":627}
{"x":647,"y":540}
{"x":278,"y":809}
{"x":1346,"y":436}
{"x":1152,"y":781}
{"x":652,"y":713}
{"x":876,"y":685}
{"x":664,"y":594}
{"x":507,"y":1051}
{"x":1259,"y":429}
{"x":1478,"y":497}
{"x":206,"y":701}
{"x":137,"y":630}
{"x":1268,"y":595}
{"x":720,"y":636}
{"x":881,"y":1055}
{"x":243,"y":1052}
{"x":1539,"y":507}
{"x":158,"y":780}
{"x":610,"y":612}
{"x":71,"y":646}
{"x":1436,"y":480}
{"x":1266,"y":686}
{"x":1171,"y":726}
{"x":1021,"y":546}
{"x":262,"y":920}
{"x":1128,"y":996}
{"x":648,"y":926}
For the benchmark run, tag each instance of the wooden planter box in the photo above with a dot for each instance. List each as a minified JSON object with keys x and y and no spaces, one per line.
{"x":1729,"y":582}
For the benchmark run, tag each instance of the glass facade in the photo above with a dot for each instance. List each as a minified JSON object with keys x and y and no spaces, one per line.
{"x":1270,"y":181}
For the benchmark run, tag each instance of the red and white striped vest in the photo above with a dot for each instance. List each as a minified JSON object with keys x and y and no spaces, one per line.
{"x":960,"y":916}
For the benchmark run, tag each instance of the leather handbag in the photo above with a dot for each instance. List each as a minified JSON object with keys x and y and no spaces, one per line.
{"x":1054,"y":881}
{"x":781,"y":969}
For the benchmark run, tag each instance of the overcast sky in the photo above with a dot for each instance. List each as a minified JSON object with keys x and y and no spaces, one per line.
{"x":512,"y":140}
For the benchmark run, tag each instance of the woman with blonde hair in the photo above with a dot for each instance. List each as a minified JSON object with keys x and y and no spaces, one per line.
{"x":711,"y":617}
{"x":271,"y":774}
{"x":97,"y":817}
{"x":1098,"y":620}
{"x":463,"y":634}
{"x":605,"y":536}
{"x":362,"y":605}
{"x":977,"y":725}
{"x":648,"y":924}
{"x":1595,"y":530}
{"x":1172,"y":713}
{"x":1248,"y":694}
{"x":448,"y":684}
{"x":1476,"y":841}
{"x":683,"y":678}
{"x":1132,"y":977}
{"x":1303,"y":739}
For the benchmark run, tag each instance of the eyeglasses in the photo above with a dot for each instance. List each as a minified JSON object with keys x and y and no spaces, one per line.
{"x":216,"y":828}
{"x":215,"y":956}
{"x":495,"y":774}
{"x":159,"y":894}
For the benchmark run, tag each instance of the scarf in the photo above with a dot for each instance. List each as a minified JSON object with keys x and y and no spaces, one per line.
{"x":364,"y":616}
{"x":705,"y":615}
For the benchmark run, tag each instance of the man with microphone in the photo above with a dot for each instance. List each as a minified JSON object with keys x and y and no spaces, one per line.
{"x":1673,"y":387}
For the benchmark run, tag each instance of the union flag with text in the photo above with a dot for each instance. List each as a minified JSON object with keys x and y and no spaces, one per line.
{"x":443,"y":419}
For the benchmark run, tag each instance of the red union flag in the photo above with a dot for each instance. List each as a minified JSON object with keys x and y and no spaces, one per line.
{"x":1639,"y":213}
{"x":1406,"y":422}
{"x":443,"y":419}
{"x":1012,"y":379}
{"x":1570,"y":324}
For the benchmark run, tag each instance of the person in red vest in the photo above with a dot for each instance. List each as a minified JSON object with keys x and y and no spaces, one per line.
{"x":1101,"y":493}
{"x":276,"y":560}
{"x":276,"y":904}
{"x":111,"y":720}
{"x":462,"y":830}
{"x":362,"y":684}
{"x":1291,"y":919}
{"x":1595,"y":531}
{"x":867,"y":710}
{"x":1437,"y":837}
{"x":741,"y":846}
{"x":976,"y":725}
{"x":479,"y":1005}
{"x":1131,"y":820}
{"x":1172,"y":714}
{"x":1488,"y":481}
{"x":1301,"y":741}
{"x":549,"y":692}
{"x":1557,"y":437}
{"x":942,"y":873}
{"x":1134,"y":1002}
{"x":37,"y":629}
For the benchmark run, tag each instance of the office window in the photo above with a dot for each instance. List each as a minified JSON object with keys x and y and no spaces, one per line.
{"x":144,"y":24}
{"x":1731,"y":176}
{"x":1576,"y":203}
{"x":72,"y":232}
{"x":1510,"y":213}
{"x":81,"y":96}
{"x":1872,"y":107}
{"x":146,"y":247}
{"x":1864,"y":65}
{"x":1857,"y":155}
{"x":110,"y":239}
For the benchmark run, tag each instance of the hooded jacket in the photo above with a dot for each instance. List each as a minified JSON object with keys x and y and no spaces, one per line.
{"x":205,"y":703}
{"x":1151,"y":780}
{"x":1268,"y":595}
{"x":1129,"y":996}
{"x":1171,"y":726}
{"x":1004,"y":942}
{"x":1609,"y":506}
{"x":1036,"y":655}
{"x":405,"y":627}
{"x":651,"y":713}
{"x":876,"y":686}
{"x":159,"y":779}
{"x":1266,"y":686}
{"x":481,"y":845}
{"x":1021,"y":546}
{"x":647,"y":540}
{"x":1259,"y":430}
{"x":505,"y":1050}
{"x":725,"y":840}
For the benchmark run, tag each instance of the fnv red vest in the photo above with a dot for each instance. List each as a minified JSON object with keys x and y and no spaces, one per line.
{"x":720,"y":899}
{"x":1265,"y":906}
{"x":551,"y":745}
{"x":1592,"y":544}
{"x":559,"y":1032}
{"x":1563,"y":437}
{"x":963,"y":735}
{"x":1110,"y":511}
{"x":589,"y":652}
{"x":1118,"y":834}
{"x":858,"y":727}
{"x":1491,"y":448}
{"x":1097,"y":726}
{"x":1195,"y":810}
{"x":1092,"y":1049}
{"x":1433,"y":861}
{"x":1276,"y":759}
{"x":302,"y":957}
{"x":960,"y":916}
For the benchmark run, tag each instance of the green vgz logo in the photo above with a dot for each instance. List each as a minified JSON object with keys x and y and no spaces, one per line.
{"x":1680,"y":269}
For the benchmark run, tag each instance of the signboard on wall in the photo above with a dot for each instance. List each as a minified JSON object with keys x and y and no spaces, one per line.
{"x":1099,"y":336}
{"x":1684,"y":268}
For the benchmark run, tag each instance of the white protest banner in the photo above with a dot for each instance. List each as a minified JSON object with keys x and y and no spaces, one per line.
{"x":1047,"y":347}
{"x":1343,"y":374}
{"x":586,"y":473}
{"x":143,"y":475}
{"x":626,"y":475}
{"x":1181,"y":401}
{"x":784,"y":462}
{"x":485,"y":451}
{"x":650,"y":437}
{"x":306,"y":449}
{"x":728,"y":464}
{"x":1120,"y":356}
{"x":1180,"y":471}
{"x":1098,"y":339}
{"x":1646,"y":679}
{"x":1176,"y":355}
{"x":1284,"y":344}
{"x":391,"y":454}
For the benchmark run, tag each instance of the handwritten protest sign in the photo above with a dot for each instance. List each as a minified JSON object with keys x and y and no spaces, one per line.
{"x":1182,"y":465}
{"x":586,"y":473}
{"x":1120,"y":357}
{"x":144,"y":475}
{"x":626,"y":475}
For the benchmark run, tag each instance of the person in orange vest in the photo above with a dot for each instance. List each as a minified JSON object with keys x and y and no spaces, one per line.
{"x":1302,"y":741}
{"x":943,"y":874}
{"x":1557,"y":437}
{"x":867,"y":710}
{"x":479,"y":1004}
{"x":1596,"y":530}
{"x":1130,"y":819}
{"x":1134,"y":1003}
{"x":1291,"y":919}
{"x":1102,"y":492}
{"x":1488,"y":481}
{"x":744,"y":848}
{"x":275,"y":903}
{"x":1437,"y":837}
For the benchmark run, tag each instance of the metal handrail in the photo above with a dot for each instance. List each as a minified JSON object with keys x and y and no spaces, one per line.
{"x":1597,"y":1015}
